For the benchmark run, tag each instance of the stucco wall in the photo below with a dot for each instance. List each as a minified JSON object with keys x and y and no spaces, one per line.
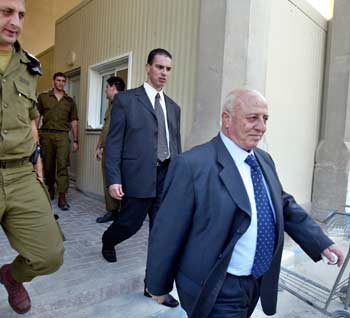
{"x":41,"y":15}
{"x":294,"y":89}
{"x":46,"y":59}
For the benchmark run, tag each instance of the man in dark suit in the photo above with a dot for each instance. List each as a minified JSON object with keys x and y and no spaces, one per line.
{"x":219,"y":231}
{"x":144,"y":136}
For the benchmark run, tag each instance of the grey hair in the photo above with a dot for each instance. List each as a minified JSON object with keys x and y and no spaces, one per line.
{"x":230,"y":101}
{"x":233,"y":98}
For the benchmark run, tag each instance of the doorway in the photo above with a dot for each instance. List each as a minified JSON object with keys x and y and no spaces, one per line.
{"x":73,"y":90}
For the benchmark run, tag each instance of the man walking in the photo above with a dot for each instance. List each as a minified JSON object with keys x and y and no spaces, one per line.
{"x":59,"y":113}
{"x":220,"y":229}
{"x":114,"y":86}
{"x":144,"y":136}
{"x":26,"y":215}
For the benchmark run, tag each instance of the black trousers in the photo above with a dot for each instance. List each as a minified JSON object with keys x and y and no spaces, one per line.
{"x":133,"y":212}
{"x":237,"y":298}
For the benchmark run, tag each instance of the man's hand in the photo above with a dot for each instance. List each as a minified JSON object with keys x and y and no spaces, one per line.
{"x":75,"y":147}
{"x":116,"y":191}
{"x":333,"y":249}
{"x":99,"y":152}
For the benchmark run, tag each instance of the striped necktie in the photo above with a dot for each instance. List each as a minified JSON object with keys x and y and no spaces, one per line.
{"x":162,"y":149}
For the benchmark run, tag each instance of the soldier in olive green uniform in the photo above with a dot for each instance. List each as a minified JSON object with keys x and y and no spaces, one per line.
{"x":59,"y":113}
{"x":114,"y":86}
{"x":26,"y":215}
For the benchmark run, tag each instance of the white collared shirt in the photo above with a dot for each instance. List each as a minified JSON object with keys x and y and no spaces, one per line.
{"x":151,"y":93}
{"x":242,"y":258}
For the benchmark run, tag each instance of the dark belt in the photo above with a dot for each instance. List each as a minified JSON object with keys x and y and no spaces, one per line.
{"x":15,"y":163}
{"x":54,"y":131}
{"x":163,"y":163}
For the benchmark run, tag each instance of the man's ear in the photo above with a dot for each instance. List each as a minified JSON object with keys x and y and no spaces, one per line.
{"x":225,"y":118}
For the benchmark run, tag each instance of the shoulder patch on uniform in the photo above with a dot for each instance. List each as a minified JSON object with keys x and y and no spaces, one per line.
{"x":34,"y":66}
{"x":24,"y":81}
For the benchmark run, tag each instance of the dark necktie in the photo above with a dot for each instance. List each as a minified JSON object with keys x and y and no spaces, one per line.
{"x":265,"y":243}
{"x":162,"y":150}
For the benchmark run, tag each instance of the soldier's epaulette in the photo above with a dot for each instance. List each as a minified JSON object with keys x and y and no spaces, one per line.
{"x":70,"y":99}
{"x":45,"y":92}
{"x":34,"y":66}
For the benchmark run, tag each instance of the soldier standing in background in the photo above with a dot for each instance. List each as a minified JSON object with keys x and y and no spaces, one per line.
{"x":26,"y":215}
{"x":59,"y":113}
{"x":114,"y":86}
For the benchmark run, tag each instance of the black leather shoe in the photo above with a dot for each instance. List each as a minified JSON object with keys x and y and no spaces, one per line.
{"x":146,"y":293}
{"x":169,"y":301}
{"x":109,"y":254}
{"x":108,"y":217}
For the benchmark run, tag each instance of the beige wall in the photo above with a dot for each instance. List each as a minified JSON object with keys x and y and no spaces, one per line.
{"x":39,"y":29}
{"x":92,"y":33}
{"x":46,"y":59}
{"x":102,"y":29}
{"x":294,"y":90}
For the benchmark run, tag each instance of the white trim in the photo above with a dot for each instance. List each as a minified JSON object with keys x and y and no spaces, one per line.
{"x":94,"y":86}
{"x":311,"y":13}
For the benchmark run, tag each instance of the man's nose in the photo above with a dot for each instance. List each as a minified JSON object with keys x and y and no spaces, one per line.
{"x":164,"y":71}
{"x":261,"y":125}
{"x":15,"y":20}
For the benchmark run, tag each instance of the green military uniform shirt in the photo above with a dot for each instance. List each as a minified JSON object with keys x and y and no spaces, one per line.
{"x":17,"y":105}
{"x":112,"y":205}
{"x":107,"y":121}
{"x":57,"y":114}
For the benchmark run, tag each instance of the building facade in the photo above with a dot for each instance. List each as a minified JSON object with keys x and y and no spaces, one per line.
{"x":275,"y":46}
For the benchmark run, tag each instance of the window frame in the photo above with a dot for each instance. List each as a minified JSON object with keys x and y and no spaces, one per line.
{"x":94,"y":86}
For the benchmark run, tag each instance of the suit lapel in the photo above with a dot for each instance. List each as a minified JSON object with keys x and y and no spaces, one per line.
{"x":170,"y":110}
{"x":231,"y":177}
{"x":144,"y":100}
{"x":171,"y":120}
{"x":271,"y":180}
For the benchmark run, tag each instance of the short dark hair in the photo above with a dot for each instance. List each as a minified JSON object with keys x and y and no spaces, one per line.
{"x":118,"y":82}
{"x":59,"y":74}
{"x":155,"y":52}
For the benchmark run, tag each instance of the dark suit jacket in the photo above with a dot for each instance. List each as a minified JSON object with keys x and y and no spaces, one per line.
{"x":204,"y":211}
{"x":131,"y":145}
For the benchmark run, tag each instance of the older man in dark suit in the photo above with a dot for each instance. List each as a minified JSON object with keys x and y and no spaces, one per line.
{"x":219,"y":231}
{"x":144,"y":136}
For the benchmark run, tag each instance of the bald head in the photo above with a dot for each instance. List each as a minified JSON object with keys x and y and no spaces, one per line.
{"x":241,"y":96}
{"x":244,"y":117}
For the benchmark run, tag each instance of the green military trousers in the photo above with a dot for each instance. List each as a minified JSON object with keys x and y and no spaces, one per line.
{"x":56,"y":149}
{"x":28,"y":221}
{"x":112,"y":205}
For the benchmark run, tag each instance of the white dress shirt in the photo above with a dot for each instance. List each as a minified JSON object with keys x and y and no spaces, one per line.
{"x":151,"y":93}
{"x":242,"y":258}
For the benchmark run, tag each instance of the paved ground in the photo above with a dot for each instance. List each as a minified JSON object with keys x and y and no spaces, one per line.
{"x":88,"y":287}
